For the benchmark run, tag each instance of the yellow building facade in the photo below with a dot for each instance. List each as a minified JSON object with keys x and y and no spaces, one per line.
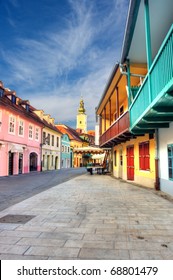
{"x":51,"y":143}
{"x":132,"y":155}
{"x":121,"y":166}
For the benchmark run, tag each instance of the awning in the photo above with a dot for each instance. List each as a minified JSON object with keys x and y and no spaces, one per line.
{"x":16,"y":148}
{"x":88,"y":150}
{"x":97,"y":156}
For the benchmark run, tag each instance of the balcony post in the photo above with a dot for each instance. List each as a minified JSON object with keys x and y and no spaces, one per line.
{"x":100,"y":125}
{"x":105,"y":119}
{"x":109,"y":111}
{"x":117,"y":102}
{"x":148,"y":44}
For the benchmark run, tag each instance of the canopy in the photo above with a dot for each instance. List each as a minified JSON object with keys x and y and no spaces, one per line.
{"x":98,"y":156}
{"x":88,"y":150}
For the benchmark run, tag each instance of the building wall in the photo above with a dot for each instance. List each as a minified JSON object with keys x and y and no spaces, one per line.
{"x":65,"y":159}
{"x":141,"y":177}
{"x":77,"y":158}
{"x":82,"y":122}
{"x":51,"y":153}
{"x":165,"y":139}
{"x":18,"y":144}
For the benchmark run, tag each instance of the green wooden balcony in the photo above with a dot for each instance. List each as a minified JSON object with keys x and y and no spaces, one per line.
{"x":152,"y":106}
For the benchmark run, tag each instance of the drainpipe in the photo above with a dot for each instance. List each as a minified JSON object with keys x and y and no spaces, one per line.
{"x":157,"y":179}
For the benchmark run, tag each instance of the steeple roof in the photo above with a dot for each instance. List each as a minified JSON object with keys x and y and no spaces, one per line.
{"x":81,"y":109}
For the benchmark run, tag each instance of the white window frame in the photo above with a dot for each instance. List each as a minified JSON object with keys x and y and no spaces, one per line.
{"x":30,"y":131}
{"x":12,"y":124}
{"x":37,"y":133}
{"x":21,"y":122}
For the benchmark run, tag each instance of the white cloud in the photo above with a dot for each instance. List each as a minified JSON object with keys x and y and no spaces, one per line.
{"x":44,"y":69}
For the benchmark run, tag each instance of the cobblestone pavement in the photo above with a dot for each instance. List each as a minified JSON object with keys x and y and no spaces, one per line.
{"x":89,"y":217}
{"x":16,"y":188}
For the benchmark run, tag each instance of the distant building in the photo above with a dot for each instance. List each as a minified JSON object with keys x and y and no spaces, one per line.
{"x":75,"y":142}
{"x":20,"y":135}
{"x":65,"y":151}
{"x":51,"y":143}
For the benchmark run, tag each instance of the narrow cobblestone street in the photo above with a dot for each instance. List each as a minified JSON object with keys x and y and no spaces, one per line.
{"x":90,"y":217}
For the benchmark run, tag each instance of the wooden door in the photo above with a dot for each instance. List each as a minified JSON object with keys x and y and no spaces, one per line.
{"x":130,"y":163}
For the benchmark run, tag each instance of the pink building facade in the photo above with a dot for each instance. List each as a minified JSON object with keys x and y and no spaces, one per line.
{"x":20,"y":135}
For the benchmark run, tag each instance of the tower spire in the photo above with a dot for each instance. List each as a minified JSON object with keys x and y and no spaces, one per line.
{"x":81,"y":109}
{"x":81,"y":123}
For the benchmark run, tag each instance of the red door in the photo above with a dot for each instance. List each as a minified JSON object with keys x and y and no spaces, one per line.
{"x":130,"y":163}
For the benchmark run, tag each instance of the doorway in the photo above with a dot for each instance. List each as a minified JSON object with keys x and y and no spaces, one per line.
{"x":130,"y":163}
{"x":33,"y":162}
{"x":10,"y":163}
{"x":56,"y":162}
{"x":20,"y":163}
{"x":120,"y":164}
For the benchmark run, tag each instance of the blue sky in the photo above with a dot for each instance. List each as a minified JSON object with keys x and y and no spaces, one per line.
{"x":54,"y":51}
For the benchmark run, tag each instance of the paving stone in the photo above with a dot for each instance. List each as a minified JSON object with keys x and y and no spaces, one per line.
{"x":9,"y":240}
{"x":103,"y":254}
{"x":21,"y":257}
{"x":61,"y":235}
{"x":91,"y":217}
{"x":10,"y":249}
{"x":16,"y":233}
{"x":89,"y":244}
{"x":145,"y":255}
{"x":40,"y":242}
{"x":52,"y":251}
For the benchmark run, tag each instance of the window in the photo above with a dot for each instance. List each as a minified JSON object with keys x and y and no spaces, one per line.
{"x":115,"y":158}
{"x":121,"y":110}
{"x":52,"y":140}
{"x":21,"y":128}
{"x":37,"y":133}
{"x":68,"y":149}
{"x":144,"y":156}
{"x":65,"y":149}
{"x":170,"y":162}
{"x":30,"y":131}
{"x":43,"y":164}
{"x":52,"y":160}
{"x":62,"y":148}
{"x":48,"y":139}
{"x":12,"y":125}
{"x":44,"y":137}
{"x":57,"y":141}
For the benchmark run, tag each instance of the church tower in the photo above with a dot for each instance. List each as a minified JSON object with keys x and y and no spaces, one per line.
{"x":81,"y":123}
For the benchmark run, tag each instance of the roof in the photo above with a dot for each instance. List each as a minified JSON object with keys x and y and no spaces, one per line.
{"x":51,"y":126}
{"x":6,"y":102}
{"x":71,"y":132}
{"x":130,"y":26}
{"x":159,"y":20}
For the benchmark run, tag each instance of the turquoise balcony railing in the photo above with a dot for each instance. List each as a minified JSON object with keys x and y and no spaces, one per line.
{"x":158,"y":82}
